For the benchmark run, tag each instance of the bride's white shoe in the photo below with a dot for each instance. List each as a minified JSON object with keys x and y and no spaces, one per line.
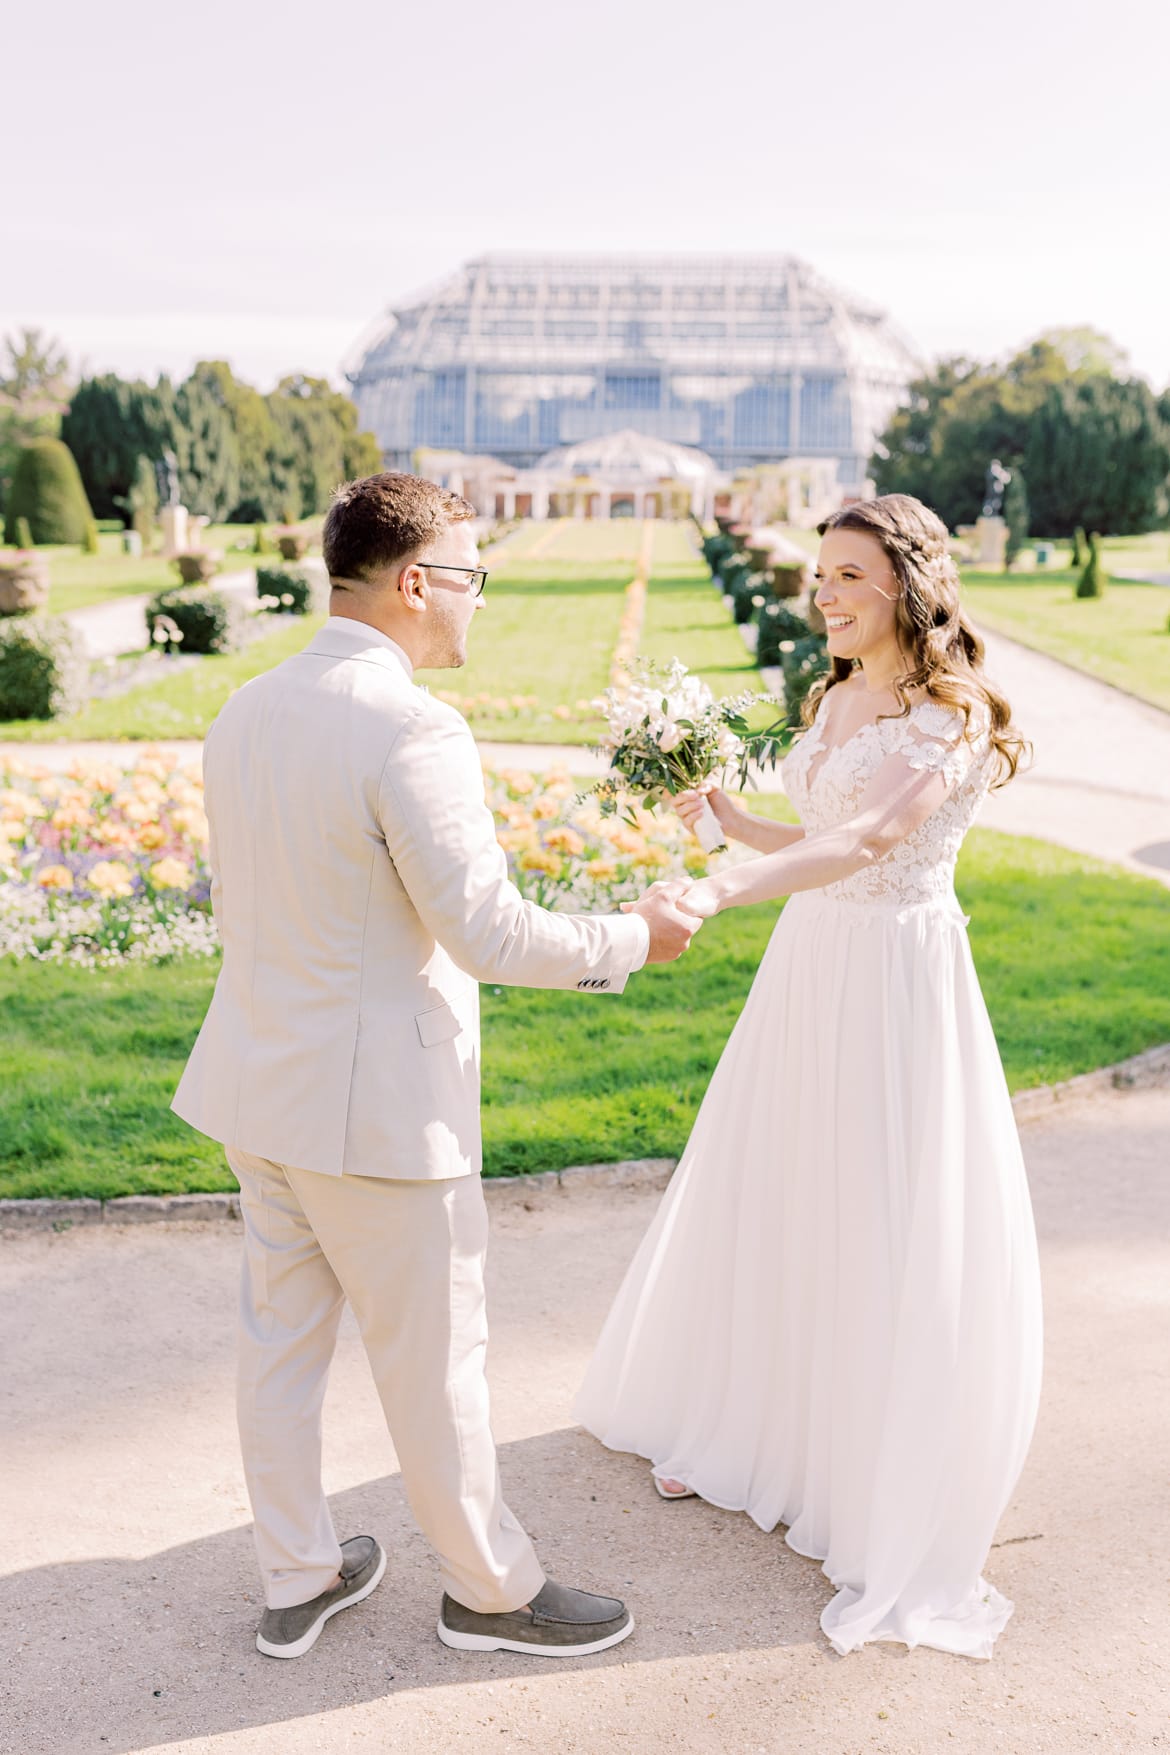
{"x":681,"y":1492}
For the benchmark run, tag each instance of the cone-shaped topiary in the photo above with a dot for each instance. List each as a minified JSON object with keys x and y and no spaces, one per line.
{"x":21,"y":537}
{"x":1094,"y":579}
{"x":89,"y":542}
{"x":46,"y":489}
{"x":1079,"y":549}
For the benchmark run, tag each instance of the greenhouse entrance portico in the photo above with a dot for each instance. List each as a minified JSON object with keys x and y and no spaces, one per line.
{"x":747,"y":359}
{"x":621,"y":475}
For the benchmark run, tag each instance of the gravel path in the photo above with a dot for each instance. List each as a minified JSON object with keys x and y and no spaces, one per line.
{"x":129,"y":1601}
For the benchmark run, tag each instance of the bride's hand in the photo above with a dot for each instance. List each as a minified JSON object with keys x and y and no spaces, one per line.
{"x":688,"y":805}
{"x":702,"y":899}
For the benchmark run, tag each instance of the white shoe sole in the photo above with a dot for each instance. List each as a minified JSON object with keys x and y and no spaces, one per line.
{"x":308,"y":1640}
{"x":529,"y":1647}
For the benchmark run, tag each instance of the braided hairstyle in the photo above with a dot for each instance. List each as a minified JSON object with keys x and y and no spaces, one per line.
{"x":943,"y":651}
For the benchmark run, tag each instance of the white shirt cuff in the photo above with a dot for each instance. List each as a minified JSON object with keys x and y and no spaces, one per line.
{"x":643,"y":950}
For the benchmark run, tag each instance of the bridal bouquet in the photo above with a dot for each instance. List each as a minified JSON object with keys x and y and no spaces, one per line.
{"x":666,"y":733}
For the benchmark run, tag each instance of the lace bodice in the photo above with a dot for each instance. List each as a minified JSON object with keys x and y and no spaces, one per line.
{"x":826,"y":783}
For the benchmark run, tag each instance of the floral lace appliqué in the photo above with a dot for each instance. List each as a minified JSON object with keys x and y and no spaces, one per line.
{"x":826,"y":783}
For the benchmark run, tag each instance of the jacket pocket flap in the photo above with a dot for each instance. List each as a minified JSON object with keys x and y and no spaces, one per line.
{"x":437,"y":1025}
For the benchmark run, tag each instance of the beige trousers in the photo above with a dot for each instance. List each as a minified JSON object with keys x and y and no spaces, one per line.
{"x":409,"y":1256}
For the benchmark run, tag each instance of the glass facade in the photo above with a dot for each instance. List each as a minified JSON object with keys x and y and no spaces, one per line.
{"x":751,"y":359}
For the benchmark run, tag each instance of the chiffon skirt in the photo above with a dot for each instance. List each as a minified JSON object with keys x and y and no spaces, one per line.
{"x":833,"y":1322}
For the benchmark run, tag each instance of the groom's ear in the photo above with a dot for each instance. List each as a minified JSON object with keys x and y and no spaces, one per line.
{"x":412,"y":586}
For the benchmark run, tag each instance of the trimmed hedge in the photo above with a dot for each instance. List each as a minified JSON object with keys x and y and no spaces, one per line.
{"x":778,"y":624}
{"x":44,"y":673}
{"x":46,"y":490}
{"x":207,"y":620}
{"x":288,"y":592}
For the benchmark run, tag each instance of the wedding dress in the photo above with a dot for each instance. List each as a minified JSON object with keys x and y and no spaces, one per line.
{"x":833,"y":1322}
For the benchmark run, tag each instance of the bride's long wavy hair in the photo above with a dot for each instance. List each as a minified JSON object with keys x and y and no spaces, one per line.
{"x":944,"y":653}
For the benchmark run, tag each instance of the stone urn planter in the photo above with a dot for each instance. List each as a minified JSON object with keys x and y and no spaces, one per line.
{"x":24,"y":584}
{"x":293,"y":545}
{"x":788,"y":578}
{"x":199,"y":567}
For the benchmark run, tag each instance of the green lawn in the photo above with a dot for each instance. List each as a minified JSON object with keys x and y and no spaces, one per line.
{"x":1074,"y":958}
{"x":553,"y":608}
{"x":182,"y":703}
{"x":685,"y":615}
{"x":1121,"y":637}
{"x":77,"y":580}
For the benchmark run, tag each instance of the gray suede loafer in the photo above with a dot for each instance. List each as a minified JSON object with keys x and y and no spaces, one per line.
{"x":559,"y":1622}
{"x":290,"y":1633}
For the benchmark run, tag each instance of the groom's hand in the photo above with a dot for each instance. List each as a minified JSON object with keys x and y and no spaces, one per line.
{"x":671,"y":931}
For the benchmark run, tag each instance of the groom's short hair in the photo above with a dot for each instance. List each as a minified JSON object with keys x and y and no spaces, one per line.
{"x":383,"y":519}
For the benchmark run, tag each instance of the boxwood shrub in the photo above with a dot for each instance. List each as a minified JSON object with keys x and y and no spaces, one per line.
{"x":208,"y":620}
{"x":44,"y":673}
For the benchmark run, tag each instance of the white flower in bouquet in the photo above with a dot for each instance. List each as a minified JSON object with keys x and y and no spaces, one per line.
{"x":666,"y":733}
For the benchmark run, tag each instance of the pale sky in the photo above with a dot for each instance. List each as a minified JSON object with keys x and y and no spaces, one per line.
{"x":260,"y":182}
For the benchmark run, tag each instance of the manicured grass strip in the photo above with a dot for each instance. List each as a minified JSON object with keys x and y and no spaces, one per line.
{"x":686,"y":618}
{"x":549,"y":628}
{"x":1074,"y":957}
{"x":182,"y":703}
{"x":1121,"y":638}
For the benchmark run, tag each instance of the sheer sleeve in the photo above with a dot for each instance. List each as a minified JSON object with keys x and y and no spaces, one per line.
{"x":938,"y":739}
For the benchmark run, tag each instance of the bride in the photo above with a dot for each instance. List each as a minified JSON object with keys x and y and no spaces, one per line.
{"x":833,"y":1322}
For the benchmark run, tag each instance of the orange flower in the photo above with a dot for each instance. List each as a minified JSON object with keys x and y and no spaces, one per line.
{"x":170,"y":874}
{"x":55,"y":877}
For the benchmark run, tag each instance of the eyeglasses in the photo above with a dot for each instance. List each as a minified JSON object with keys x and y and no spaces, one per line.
{"x":477,"y":575}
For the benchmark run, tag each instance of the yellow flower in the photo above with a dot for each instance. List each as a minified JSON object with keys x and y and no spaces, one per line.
{"x":190,"y":820}
{"x":653,"y":858}
{"x":16,"y":806}
{"x":55,"y":877}
{"x":116,"y":834}
{"x":110,"y":877}
{"x":540,"y":861}
{"x":602,"y":869}
{"x":170,"y":874}
{"x":696,"y":861}
{"x":518,"y":841}
{"x":136,"y":810}
{"x":565,"y":841}
{"x":152,"y":836}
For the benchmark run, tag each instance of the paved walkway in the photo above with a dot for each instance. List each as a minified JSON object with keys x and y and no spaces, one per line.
{"x":111,"y":629}
{"x":129,"y":1599}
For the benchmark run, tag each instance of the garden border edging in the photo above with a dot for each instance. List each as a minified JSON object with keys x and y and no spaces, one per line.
{"x":1152,"y":1067}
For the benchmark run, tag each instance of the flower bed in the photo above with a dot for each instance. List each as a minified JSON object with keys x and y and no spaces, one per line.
{"x":101,"y":866}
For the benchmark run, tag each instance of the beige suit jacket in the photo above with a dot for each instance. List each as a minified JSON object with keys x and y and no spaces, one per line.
{"x":361,"y":895}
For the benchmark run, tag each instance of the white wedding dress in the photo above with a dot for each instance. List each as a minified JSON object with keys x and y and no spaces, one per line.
{"x":833,"y":1322}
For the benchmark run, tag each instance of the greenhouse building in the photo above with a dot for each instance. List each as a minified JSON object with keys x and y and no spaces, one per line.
{"x":750,"y":359}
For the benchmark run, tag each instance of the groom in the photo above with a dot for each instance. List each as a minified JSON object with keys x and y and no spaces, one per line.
{"x":361,"y":896}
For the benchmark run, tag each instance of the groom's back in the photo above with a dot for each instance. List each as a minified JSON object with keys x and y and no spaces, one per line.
{"x":318,"y":931}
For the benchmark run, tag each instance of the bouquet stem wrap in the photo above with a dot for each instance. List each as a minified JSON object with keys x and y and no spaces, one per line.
{"x":710,"y":830}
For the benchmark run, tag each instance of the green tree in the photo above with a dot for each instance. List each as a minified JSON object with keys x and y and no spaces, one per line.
{"x":1016,"y":516}
{"x":209,"y":457}
{"x":1098,"y":455}
{"x":1094,"y":579}
{"x":34,"y":392}
{"x":142,"y":501}
{"x":46,"y":490}
{"x":906,"y":455}
{"x":110,"y":424}
{"x":256,"y":441}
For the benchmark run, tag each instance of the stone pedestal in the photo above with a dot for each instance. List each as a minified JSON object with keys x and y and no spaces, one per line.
{"x":991,"y":544}
{"x":174,"y":526}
